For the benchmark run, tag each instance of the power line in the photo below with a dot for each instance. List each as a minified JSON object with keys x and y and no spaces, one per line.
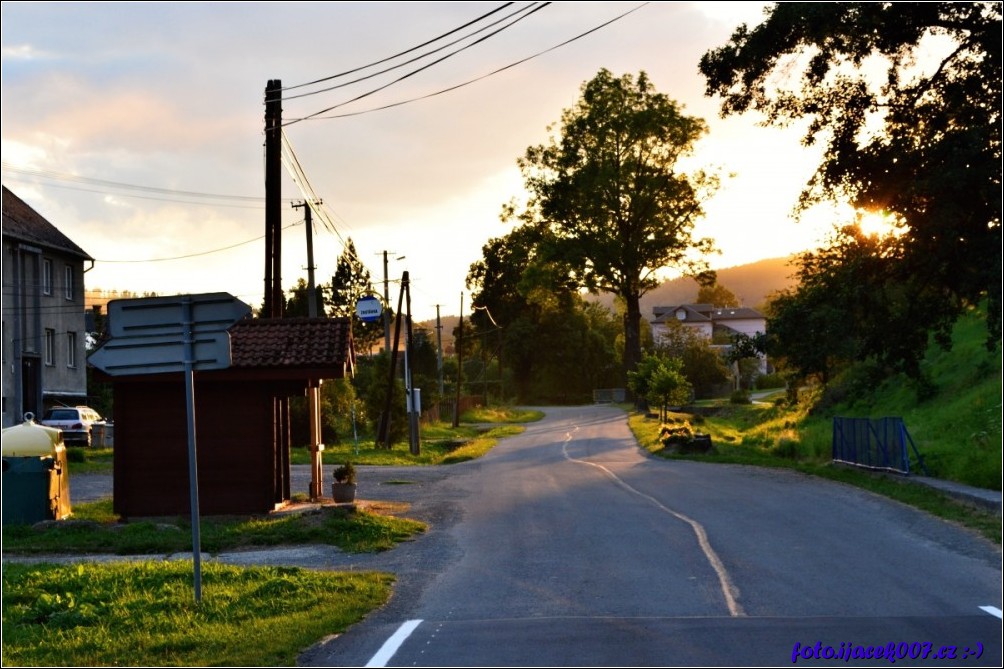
{"x":59,"y":176}
{"x":424,"y":67}
{"x":397,"y":55}
{"x":317,"y":117}
{"x":419,"y":57}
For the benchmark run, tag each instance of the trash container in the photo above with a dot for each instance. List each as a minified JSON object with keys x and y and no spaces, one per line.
{"x":36,"y":479}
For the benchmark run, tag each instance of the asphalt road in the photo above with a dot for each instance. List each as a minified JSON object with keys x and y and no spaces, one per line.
{"x":568,"y":546}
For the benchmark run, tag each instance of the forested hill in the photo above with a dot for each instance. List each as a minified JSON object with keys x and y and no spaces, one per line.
{"x":751,"y":283}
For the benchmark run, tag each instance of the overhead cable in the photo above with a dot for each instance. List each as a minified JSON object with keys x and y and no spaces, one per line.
{"x":397,"y":55}
{"x":318,"y":117}
{"x":421,"y":69}
{"x":419,"y":57}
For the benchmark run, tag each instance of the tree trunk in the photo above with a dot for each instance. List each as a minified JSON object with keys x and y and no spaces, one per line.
{"x":632,"y":334}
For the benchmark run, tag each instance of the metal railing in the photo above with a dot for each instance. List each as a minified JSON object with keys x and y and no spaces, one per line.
{"x":874,"y":443}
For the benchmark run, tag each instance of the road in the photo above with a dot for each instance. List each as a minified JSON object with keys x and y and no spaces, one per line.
{"x":568,"y":546}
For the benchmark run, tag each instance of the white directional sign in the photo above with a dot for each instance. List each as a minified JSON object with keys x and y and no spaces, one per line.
{"x":159,"y":354}
{"x":211,"y":312}
{"x":149,"y":335}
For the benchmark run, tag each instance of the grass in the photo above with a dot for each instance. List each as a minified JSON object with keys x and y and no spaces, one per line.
{"x":773,"y":436}
{"x":145,"y":614}
{"x":96,"y":529}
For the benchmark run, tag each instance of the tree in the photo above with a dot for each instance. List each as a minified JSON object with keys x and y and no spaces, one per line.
{"x":660,"y":380}
{"x":921,"y":143}
{"x":349,"y":284}
{"x":297,"y":305}
{"x":615,"y":208}
{"x":703,"y":366}
{"x":716,"y":294}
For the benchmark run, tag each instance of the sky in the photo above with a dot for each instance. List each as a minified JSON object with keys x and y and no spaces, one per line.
{"x":137,"y":129}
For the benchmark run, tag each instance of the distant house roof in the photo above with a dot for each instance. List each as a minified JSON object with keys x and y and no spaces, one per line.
{"x":704,"y":313}
{"x":292,"y":344}
{"x":23,"y":223}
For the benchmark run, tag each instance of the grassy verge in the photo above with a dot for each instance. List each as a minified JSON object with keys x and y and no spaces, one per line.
{"x":769,"y":436}
{"x":144,"y":614}
{"x":441,"y":443}
{"x":96,"y":529}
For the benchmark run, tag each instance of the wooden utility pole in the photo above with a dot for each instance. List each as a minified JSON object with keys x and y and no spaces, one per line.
{"x":274,"y":305}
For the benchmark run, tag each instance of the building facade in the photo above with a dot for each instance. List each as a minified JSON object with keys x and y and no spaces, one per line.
{"x":44,"y":331}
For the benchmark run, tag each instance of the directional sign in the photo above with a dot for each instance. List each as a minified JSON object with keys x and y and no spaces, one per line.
{"x":160,"y":354}
{"x":149,"y":334}
{"x":211,"y":312}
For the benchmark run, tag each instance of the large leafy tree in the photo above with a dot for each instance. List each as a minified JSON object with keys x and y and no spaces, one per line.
{"x":906,"y":99}
{"x":554,"y":346}
{"x":611,"y":196}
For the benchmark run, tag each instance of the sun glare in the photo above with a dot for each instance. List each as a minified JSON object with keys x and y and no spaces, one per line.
{"x":877,"y":223}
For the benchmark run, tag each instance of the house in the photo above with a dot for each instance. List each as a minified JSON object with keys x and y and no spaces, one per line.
{"x":43,"y":314}
{"x":242,"y":420}
{"x":717,"y":324}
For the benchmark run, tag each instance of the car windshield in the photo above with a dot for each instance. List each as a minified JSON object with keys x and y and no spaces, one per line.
{"x":61,"y":414}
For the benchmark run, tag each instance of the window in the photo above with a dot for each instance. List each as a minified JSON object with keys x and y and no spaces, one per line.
{"x":71,"y":349}
{"x":46,"y":276}
{"x":50,"y":346}
{"x":69,"y":282}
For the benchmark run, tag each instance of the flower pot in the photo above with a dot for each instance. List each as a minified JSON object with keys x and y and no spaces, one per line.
{"x":343,"y":493}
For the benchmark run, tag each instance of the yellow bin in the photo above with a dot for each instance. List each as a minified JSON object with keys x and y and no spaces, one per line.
{"x":36,"y":479}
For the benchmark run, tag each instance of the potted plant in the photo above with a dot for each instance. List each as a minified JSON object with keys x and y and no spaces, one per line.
{"x":343,"y":490}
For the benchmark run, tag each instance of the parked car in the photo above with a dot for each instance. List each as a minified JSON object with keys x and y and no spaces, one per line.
{"x":75,"y":422}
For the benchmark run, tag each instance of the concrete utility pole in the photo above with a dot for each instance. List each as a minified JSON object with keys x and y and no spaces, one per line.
{"x":311,"y":288}
{"x":315,"y":446}
{"x":439,"y":345}
{"x":387,"y":302}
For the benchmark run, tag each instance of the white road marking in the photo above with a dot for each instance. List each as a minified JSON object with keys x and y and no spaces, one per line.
{"x":993,"y":610}
{"x":391,"y":645}
{"x":729,"y":590}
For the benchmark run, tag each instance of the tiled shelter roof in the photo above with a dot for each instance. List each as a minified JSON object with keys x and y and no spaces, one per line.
{"x":291,"y":343}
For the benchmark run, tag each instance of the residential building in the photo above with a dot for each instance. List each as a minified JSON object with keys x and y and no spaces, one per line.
{"x":44,"y":332}
{"x":717,"y":324}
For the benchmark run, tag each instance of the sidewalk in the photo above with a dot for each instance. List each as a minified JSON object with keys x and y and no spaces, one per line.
{"x":987,"y":499}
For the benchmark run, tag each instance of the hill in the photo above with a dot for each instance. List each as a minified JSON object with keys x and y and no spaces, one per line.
{"x":751,"y":283}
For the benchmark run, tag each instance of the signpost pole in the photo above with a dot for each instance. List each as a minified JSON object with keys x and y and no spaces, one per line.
{"x":193,"y":474}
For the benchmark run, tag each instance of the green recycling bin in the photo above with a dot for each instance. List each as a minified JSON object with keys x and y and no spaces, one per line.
{"x":36,"y":479}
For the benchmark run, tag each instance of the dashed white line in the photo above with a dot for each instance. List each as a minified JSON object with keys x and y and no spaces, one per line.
{"x":391,"y":645}
{"x":993,"y":610}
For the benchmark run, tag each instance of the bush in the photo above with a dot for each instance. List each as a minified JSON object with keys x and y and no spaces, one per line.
{"x":740,"y":397}
{"x":676,"y":433}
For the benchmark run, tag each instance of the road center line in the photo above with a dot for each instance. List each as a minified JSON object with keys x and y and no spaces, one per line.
{"x":391,"y":645}
{"x":729,"y":590}
{"x":993,"y":610}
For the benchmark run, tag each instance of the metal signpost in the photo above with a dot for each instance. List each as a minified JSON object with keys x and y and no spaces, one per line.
{"x":183,"y":333}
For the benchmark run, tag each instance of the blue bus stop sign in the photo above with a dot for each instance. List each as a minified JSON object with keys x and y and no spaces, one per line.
{"x":369,"y":309}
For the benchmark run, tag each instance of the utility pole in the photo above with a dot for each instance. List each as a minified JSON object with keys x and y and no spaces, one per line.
{"x":315,"y":446}
{"x":460,"y":363}
{"x":386,"y":303}
{"x":311,"y":288}
{"x":439,"y":345}
{"x":274,"y":302}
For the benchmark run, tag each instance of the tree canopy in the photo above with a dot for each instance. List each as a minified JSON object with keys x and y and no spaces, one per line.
{"x":609,"y":192}
{"x":906,"y":98}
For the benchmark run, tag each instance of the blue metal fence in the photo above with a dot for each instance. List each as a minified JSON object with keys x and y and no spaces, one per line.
{"x":875,"y":443}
